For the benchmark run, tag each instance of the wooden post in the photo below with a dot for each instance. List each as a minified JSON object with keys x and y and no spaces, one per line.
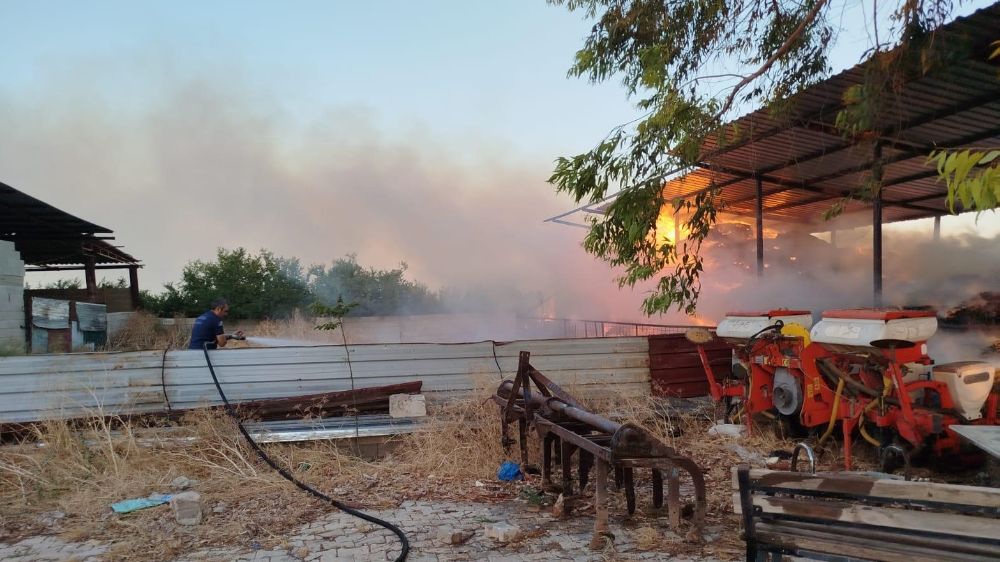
{"x":90,"y":272}
{"x":877,"y":224}
{"x":133,"y":285}
{"x":759,"y":211}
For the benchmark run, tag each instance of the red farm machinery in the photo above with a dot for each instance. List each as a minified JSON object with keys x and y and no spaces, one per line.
{"x":866,"y":371}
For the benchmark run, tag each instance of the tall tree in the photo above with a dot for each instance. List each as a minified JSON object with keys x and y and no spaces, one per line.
{"x":669,"y":55}
{"x":257,"y":286}
{"x":371,"y":291}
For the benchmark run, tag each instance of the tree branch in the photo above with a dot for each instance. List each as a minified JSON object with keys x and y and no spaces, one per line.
{"x":782,"y":51}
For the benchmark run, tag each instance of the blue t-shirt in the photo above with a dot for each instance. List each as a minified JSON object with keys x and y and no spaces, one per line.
{"x":206,"y":328}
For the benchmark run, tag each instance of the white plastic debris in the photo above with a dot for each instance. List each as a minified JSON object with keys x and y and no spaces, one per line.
{"x":728,"y":429}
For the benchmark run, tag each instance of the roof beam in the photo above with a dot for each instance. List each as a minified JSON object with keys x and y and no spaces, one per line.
{"x":807,"y":184}
{"x":886,"y":136}
{"x":78,"y":267}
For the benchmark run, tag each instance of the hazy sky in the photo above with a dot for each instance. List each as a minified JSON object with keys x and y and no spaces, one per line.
{"x":403,"y":131}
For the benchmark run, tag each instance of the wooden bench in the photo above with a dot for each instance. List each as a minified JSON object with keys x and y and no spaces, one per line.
{"x":850,"y":516}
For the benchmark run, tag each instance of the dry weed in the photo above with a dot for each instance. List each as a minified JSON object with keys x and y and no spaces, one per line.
{"x":647,"y":538}
{"x":144,"y":331}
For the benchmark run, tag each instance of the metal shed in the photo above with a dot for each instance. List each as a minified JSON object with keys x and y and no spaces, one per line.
{"x":794,"y":167}
{"x":49,"y":239}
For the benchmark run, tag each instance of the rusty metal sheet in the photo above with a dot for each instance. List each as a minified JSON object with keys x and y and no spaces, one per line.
{"x":676,"y":370}
{"x":50,"y":314}
{"x":92,"y":317}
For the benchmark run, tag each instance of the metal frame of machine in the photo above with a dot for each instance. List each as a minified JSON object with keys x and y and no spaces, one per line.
{"x":565,"y":427}
{"x":849,"y":378}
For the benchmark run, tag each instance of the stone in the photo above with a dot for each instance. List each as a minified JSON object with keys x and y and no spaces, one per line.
{"x":220,"y":507}
{"x":502,"y":532}
{"x":187,"y":508}
{"x":180,"y":483}
{"x":407,"y":406}
{"x":453,"y":537}
{"x":51,"y":518}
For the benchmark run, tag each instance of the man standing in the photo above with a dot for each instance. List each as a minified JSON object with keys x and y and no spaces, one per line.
{"x":208,"y":327}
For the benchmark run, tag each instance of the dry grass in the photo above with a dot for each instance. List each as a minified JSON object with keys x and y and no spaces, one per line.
{"x":84,"y":466}
{"x":297,"y":328}
{"x":143,"y":331}
{"x":79,"y":468}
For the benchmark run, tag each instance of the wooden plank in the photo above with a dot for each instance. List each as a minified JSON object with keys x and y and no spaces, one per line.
{"x":947,"y":523}
{"x":886,"y":488}
{"x":842,"y":543}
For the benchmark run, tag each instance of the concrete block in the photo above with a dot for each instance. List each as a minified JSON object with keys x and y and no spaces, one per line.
{"x":187,"y":508}
{"x":407,"y":406}
{"x":502,"y":532}
{"x":453,"y":536}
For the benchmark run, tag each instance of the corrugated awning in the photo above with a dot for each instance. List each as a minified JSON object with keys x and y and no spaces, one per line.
{"x":46,"y":236}
{"x":805,"y":164}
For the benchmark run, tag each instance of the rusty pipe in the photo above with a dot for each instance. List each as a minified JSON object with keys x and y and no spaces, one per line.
{"x":560,"y":407}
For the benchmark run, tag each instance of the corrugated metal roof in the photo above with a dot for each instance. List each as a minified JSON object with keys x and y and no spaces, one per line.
{"x":806,"y":165}
{"x":47,"y":236}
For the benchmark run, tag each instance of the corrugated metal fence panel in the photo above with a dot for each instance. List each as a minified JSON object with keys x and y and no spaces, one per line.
{"x":676,"y":370}
{"x":618,"y":365}
{"x":72,"y":385}
{"x":586,"y":366}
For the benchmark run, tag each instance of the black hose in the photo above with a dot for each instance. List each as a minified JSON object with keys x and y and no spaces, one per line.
{"x":778,"y":325}
{"x":287,"y":475}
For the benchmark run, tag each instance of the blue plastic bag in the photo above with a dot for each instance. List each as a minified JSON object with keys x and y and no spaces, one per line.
{"x":510,"y":471}
{"x":128,"y":506}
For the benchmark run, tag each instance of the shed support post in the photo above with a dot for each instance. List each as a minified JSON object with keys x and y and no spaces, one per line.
{"x":877,"y":223}
{"x":90,"y":272}
{"x":760,"y":225}
{"x":133,"y":285}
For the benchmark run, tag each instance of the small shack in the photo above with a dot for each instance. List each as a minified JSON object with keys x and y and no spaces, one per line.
{"x":35,"y":236}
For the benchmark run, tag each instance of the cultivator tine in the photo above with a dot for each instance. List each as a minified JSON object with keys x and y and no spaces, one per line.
{"x":567,"y":428}
{"x":629,"y":490}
